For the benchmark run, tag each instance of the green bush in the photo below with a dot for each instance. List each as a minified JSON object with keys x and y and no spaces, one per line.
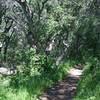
{"x":89,"y":85}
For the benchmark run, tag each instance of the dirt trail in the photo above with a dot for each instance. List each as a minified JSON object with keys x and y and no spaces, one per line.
{"x":66,"y":89}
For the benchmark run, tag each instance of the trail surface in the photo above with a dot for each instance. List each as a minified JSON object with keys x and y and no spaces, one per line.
{"x":65,"y":89}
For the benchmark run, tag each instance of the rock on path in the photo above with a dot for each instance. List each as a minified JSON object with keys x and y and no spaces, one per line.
{"x":7,"y":71}
{"x":66,"y":89}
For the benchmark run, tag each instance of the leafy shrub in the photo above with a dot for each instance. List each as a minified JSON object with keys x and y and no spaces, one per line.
{"x":89,"y":85}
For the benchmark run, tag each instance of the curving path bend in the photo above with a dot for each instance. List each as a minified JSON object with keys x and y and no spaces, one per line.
{"x":65,"y":89}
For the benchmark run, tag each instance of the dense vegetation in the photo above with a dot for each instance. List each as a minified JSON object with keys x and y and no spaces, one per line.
{"x":89,"y":86}
{"x":41,"y":39}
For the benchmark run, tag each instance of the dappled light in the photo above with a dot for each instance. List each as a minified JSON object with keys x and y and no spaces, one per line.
{"x":49,"y":49}
{"x":65,"y":89}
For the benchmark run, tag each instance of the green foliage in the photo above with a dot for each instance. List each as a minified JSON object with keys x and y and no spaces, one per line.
{"x":89,"y":86}
{"x":69,"y":28}
{"x":20,"y":87}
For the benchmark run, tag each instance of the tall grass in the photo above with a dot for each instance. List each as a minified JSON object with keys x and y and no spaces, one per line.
{"x":89,"y":85}
{"x":34,"y":86}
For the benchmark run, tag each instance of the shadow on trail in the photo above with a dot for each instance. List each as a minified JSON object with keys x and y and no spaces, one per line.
{"x":66,"y":89}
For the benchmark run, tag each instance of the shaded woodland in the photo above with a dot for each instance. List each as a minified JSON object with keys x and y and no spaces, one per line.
{"x":40,"y":40}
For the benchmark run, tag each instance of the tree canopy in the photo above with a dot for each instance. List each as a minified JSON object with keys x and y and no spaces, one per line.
{"x":36,"y":36}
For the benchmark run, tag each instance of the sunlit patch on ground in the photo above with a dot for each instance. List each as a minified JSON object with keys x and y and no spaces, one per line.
{"x":75,"y":72}
{"x":66,"y":89}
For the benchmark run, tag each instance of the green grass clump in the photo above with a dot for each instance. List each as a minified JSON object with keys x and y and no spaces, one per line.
{"x":30,"y":88}
{"x":89,"y":85}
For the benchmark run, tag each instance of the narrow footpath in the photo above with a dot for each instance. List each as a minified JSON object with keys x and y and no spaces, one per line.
{"x":65,"y":89}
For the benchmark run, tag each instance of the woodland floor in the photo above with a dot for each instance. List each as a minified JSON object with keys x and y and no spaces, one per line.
{"x":65,"y":89}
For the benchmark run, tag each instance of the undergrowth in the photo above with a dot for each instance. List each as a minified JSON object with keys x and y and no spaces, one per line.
{"x":89,"y":85}
{"x":30,"y":88}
